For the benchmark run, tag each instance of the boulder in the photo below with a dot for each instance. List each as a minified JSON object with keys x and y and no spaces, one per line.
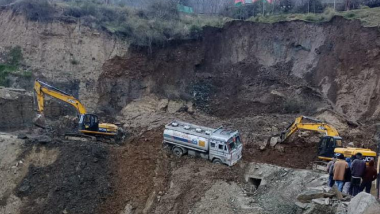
{"x":22,"y":136}
{"x":334,"y":190}
{"x":318,"y":209}
{"x":341,"y":209}
{"x":175,"y":106}
{"x":301,"y":205}
{"x":163,"y":105}
{"x":308,"y":195}
{"x":273,"y":141}
{"x":321,"y":201}
{"x":190,"y":107}
{"x":128,"y":209}
{"x":363,"y":203}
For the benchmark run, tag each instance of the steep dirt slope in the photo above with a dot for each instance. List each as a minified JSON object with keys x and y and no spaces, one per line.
{"x":67,"y":55}
{"x":254,"y":68}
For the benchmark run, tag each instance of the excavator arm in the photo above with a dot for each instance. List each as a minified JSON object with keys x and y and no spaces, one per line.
{"x":42,"y":88}
{"x":314,"y":125}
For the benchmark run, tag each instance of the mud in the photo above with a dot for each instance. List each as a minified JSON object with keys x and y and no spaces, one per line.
{"x":79,"y":179}
{"x":152,"y":180}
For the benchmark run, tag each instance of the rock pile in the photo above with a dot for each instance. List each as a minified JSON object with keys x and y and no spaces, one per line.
{"x":330,"y":200}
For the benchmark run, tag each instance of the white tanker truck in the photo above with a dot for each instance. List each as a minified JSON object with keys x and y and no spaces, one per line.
{"x":217,"y":145}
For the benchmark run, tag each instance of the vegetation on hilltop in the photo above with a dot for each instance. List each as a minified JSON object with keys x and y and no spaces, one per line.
{"x":369,"y":17}
{"x":154,"y":25}
{"x":10,"y":62}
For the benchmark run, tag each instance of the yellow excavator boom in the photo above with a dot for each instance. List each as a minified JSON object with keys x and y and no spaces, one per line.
{"x":42,"y":88}
{"x":330,"y":144}
{"x":315,"y":125}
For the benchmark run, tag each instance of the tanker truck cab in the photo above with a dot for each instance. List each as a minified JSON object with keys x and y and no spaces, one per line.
{"x":218,"y":145}
{"x":225,"y":147}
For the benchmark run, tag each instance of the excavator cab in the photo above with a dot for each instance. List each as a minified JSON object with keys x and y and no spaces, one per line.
{"x":327,"y":145}
{"x":89,"y":122}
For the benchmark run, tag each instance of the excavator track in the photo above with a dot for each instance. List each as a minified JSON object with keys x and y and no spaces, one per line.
{"x":79,"y":137}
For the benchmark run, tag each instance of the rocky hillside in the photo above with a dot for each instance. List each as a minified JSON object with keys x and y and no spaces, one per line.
{"x":66,"y":54}
{"x":249,"y":68}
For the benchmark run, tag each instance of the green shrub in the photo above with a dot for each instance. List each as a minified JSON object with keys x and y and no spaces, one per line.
{"x":163,"y":9}
{"x":349,"y":15}
{"x":311,"y":18}
{"x":14,"y":56}
{"x":35,"y":10}
{"x":74,"y":62}
{"x":195,"y":31}
{"x":5,"y":70}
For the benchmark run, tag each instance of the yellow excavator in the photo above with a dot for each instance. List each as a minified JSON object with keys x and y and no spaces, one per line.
{"x":88,"y":123}
{"x":330,"y":144}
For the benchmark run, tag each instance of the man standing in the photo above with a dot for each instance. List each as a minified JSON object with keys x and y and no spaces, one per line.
{"x":330,"y":167}
{"x":340,"y":167}
{"x":369,"y":176}
{"x":357,"y":172}
{"x":347,"y":178}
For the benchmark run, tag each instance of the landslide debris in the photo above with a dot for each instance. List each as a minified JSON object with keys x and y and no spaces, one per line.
{"x":76,"y":182}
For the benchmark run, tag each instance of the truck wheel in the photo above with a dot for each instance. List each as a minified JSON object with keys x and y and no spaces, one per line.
{"x":178,"y":151}
{"x":217,"y":161}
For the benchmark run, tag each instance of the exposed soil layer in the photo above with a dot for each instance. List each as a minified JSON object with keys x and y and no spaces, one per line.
{"x":250,"y":68}
{"x":293,"y":156}
{"x":134,"y":172}
{"x":75,"y":183}
{"x":151,"y":180}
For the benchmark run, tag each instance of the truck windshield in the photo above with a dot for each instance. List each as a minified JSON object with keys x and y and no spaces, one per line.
{"x":233,"y":143}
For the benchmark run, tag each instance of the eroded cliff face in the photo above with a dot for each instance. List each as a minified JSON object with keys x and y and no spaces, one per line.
{"x":244,"y":68}
{"x":249,"y":68}
{"x":66,"y":55}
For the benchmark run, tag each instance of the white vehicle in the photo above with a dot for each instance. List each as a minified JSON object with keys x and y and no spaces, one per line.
{"x":217,"y":145}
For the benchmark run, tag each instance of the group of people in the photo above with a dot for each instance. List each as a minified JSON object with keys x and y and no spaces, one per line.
{"x":351,"y":175}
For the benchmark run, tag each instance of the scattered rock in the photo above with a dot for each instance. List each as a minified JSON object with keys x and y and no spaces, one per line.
{"x":318,"y":209}
{"x":328,"y":195}
{"x":25,"y":186}
{"x":335,"y":191}
{"x":128,"y":209}
{"x":363,"y":203}
{"x":280,"y":148}
{"x":341,"y":209}
{"x":174,"y":106}
{"x":163,"y":105}
{"x":352,"y":123}
{"x":308,"y":195}
{"x":44,"y":139}
{"x":274,"y":141}
{"x":321,"y":201}
{"x":190,"y":107}
{"x":264,"y":145}
{"x":302,"y":205}
{"x":22,"y":136}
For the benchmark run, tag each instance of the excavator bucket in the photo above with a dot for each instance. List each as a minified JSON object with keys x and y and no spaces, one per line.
{"x":39,"y":121}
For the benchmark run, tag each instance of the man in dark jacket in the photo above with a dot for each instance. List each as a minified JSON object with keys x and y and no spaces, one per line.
{"x":369,"y":176}
{"x":357,"y":172}
{"x":330,"y":170}
{"x":347,"y":178}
